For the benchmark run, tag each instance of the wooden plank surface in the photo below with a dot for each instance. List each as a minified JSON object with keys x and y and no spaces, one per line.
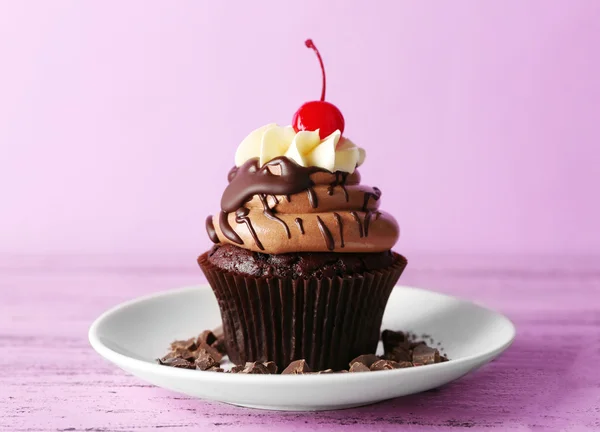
{"x":51,"y":379}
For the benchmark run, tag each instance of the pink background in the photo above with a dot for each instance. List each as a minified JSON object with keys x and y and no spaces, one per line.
{"x":119,"y":120}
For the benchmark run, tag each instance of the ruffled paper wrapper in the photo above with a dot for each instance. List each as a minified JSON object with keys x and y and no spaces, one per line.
{"x":326,"y":321}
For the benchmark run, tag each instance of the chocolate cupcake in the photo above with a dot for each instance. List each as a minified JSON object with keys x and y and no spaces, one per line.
{"x":302,"y":266}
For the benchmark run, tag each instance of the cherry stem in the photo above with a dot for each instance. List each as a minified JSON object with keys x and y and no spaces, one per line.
{"x":309,"y":44}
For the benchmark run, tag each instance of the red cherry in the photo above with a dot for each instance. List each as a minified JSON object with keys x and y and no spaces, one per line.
{"x":319,"y":114}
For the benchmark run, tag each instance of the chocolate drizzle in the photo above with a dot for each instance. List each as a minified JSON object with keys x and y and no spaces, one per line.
{"x":338,"y":219}
{"x":227,"y":230}
{"x":326,"y":234}
{"x":358,"y":222}
{"x":376,"y":194}
{"x":312,"y":197}
{"x":299,"y":224}
{"x":367,"y":221}
{"x":278,"y":180}
{"x":268,"y":212}
{"x":210,"y":229}
{"x":250,"y":179}
{"x":340,"y":180}
{"x":241,"y":216}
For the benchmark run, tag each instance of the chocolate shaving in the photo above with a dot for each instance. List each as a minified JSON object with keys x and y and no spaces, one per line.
{"x":219,"y":343}
{"x":207,"y":337}
{"x":255,"y":368}
{"x":359,"y":367}
{"x":297,"y":367}
{"x":205,"y":361}
{"x":423,"y":354}
{"x":366,"y":359}
{"x":177,"y":362}
{"x":205,"y":352}
{"x":271,"y":367}
{"x":180,"y":353}
{"x":385,"y":365}
{"x":188,"y":344}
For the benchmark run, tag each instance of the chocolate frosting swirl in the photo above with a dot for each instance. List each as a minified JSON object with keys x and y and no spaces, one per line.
{"x":283,"y":207}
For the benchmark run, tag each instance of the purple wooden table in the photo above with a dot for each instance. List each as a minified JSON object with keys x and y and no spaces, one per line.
{"x":51,"y":379}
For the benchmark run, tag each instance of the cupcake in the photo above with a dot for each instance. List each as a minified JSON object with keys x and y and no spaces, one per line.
{"x":301,"y":266}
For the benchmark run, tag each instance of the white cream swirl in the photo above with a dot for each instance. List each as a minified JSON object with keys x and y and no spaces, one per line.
{"x":333,"y":153}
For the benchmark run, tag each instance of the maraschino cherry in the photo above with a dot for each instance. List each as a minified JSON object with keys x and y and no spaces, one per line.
{"x":319,"y":114}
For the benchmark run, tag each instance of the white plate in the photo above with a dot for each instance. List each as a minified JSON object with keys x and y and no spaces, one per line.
{"x":135,"y":333}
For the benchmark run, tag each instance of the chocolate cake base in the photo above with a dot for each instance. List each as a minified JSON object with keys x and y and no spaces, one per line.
{"x":324,"y":308}
{"x":296,"y":265}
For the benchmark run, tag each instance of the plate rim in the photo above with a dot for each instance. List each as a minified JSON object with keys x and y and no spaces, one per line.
{"x":142,"y":365}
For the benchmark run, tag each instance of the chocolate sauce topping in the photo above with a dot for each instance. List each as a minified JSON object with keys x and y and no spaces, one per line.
{"x":275,"y":182}
{"x":227,"y":230}
{"x":358,"y":221}
{"x":326,"y":234}
{"x":299,"y":224}
{"x":340,"y":180}
{"x":338,"y":219}
{"x":376,"y":194}
{"x":367,"y":222}
{"x":210,"y":229}
{"x":271,"y":215}
{"x":249,"y":180}
{"x":241,"y":216}
{"x":312,"y":197}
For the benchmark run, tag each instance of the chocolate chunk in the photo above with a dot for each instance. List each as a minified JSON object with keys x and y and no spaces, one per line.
{"x":398,"y":354}
{"x":180,"y":353}
{"x":396,"y":346}
{"x":297,"y":367}
{"x":385,"y":365}
{"x":215,"y":369}
{"x":404,"y":364}
{"x":271,"y":367}
{"x":326,"y":371}
{"x":205,"y":360}
{"x":212,"y":351}
{"x":177,"y":362}
{"x":413,"y":345}
{"x":392,"y":339}
{"x":359,"y":367}
{"x":366,"y":359}
{"x":425,"y":355}
{"x":189,"y":344}
{"x":206,"y":338}
{"x":255,"y":368}
{"x":237,"y":369}
{"x":218,"y":332}
{"x":443,"y":358}
{"x":220,"y":346}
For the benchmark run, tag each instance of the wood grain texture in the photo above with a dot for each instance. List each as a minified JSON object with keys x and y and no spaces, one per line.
{"x":52,"y":380}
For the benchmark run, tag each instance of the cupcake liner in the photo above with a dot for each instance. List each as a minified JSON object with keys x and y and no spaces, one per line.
{"x":326,"y":321}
